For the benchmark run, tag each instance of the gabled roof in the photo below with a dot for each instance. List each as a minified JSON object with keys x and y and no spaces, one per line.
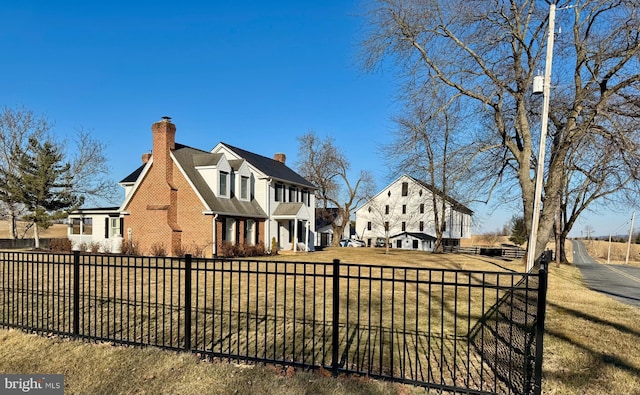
{"x":454,"y":203}
{"x":416,"y":235}
{"x":131,"y":178}
{"x":188,"y":159}
{"x":270,"y":167}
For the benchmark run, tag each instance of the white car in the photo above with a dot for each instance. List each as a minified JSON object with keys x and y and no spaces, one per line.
{"x":355,"y":243}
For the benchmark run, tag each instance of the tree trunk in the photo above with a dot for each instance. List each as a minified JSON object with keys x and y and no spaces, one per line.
{"x":12,"y":225}
{"x":36,"y":236}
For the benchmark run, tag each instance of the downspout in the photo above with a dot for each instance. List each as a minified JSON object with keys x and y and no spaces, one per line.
{"x":267,"y":232}
{"x":214,"y":247}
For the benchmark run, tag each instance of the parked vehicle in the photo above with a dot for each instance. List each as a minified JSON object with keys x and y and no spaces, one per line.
{"x":380,"y":242}
{"x":352,"y":243}
{"x":356,"y":243}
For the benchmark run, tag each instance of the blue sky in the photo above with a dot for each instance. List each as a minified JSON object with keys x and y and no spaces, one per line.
{"x":252,"y":74}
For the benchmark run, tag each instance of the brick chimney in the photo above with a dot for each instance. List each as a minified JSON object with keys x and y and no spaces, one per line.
{"x":280,"y":157}
{"x":164,"y":141}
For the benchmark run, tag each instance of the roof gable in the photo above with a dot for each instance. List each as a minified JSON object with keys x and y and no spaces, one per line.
{"x":454,"y":203}
{"x":269,"y":167}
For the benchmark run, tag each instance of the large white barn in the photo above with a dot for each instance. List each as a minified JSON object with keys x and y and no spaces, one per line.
{"x":405,"y":208}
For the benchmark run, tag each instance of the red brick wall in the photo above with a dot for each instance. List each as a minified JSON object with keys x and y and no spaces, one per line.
{"x":168,"y":216}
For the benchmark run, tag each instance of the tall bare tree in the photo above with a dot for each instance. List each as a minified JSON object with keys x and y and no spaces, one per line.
{"x":91,"y":174}
{"x":429,"y":144}
{"x":323,"y":163}
{"x":490,"y":51}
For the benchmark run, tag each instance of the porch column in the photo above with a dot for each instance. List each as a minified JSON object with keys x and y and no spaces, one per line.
{"x":306,"y":239}
{"x":295,"y":234}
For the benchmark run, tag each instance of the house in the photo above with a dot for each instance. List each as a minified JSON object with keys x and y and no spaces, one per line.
{"x":185,"y":199}
{"x":404,"y":212}
{"x":325,"y":217}
{"x":96,"y":228}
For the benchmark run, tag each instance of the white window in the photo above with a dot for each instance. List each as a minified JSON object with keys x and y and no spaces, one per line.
{"x":244,"y":188}
{"x":115,"y":227}
{"x":224,"y":184}
{"x":249,"y":229}
{"x":82,"y":226}
{"x":230,"y":230}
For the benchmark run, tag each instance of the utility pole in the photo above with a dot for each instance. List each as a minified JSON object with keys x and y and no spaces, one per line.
{"x":633,"y":216}
{"x":533,"y":235}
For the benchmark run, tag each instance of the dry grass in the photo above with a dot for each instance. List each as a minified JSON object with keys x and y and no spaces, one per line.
{"x":599,"y":250}
{"x":592,"y":342}
{"x":55,"y":231}
{"x":104,"y":369}
{"x":592,"y":346}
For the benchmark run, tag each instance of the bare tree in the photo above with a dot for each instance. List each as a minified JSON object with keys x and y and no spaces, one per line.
{"x":322,"y":163}
{"x":91,"y":175}
{"x":429,"y":143}
{"x":490,"y":51}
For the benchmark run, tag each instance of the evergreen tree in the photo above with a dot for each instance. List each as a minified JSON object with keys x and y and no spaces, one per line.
{"x":42,"y":184}
{"x":518,"y":230}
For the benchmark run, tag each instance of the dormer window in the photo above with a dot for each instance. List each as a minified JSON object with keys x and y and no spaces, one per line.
{"x":244,"y":188}
{"x":224,"y":184}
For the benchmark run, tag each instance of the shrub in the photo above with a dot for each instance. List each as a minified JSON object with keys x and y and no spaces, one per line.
{"x":158,"y":249}
{"x":274,"y":246}
{"x":129,"y":248}
{"x":106,"y":247}
{"x":94,"y":247}
{"x":62,"y":244}
{"x":181,"y":251}
{"x":255,"y":250}
{"x":227,"y":250}
{"x":82,"y":247}
{"x":198,"y":251}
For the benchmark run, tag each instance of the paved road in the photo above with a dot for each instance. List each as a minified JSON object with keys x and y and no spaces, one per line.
{"x":621,"y":282}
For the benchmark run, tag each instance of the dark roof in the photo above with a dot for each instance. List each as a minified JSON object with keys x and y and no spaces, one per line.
{"x":417,"y":235}
{"x":131,"y":178}
{"x":454,"y":203}
{"x":189,"y":158}
{"x":271,"y":167}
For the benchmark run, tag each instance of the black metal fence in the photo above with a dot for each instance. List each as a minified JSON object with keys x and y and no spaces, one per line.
{"x":7,"y":244}
{"x":504,"y":252}
{"x":467,"y":331}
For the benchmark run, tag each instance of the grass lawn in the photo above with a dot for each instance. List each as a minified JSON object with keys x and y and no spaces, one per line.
{"x":592,"y":345}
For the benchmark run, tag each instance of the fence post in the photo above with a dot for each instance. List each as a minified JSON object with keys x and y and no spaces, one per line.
{"x":76,"y":293}
{"x":540,"y":316}
{"x":336,"y":317}
{"x":187,"y":302}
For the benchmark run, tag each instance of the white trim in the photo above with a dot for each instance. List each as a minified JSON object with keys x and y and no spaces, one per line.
{"x":193,"y":187}
{"x":136,"y":185}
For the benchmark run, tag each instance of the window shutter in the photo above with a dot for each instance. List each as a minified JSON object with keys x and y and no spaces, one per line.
{"x":121,"y":226}
{"x":106,"y":228}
